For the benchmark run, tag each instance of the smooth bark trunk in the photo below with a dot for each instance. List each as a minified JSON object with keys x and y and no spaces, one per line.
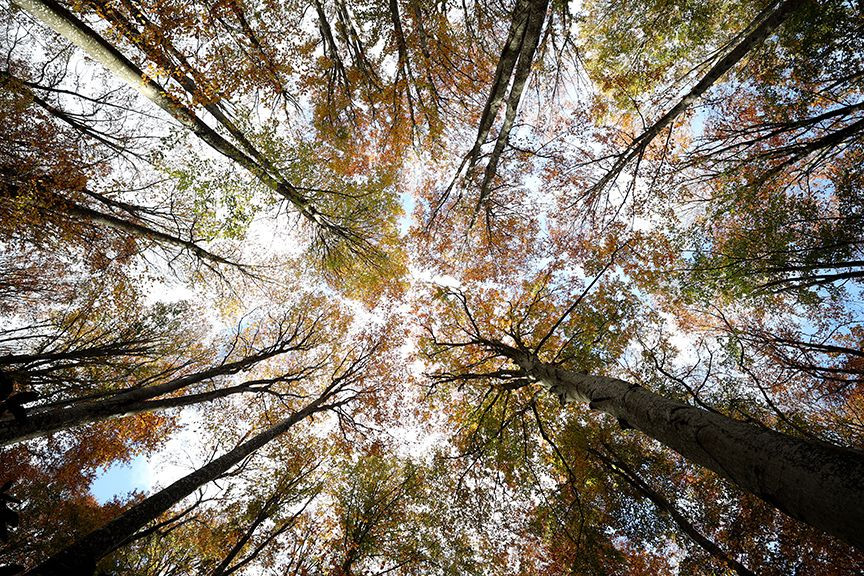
{"x":73,"y":29}
{"x":756,"y":36}
{"x":42,"y":422}
{"x":528,"y":48}
{"x":503,"y":74}
{"x":82,"y":556}
{"x":817,"y":483}
{"x":48,"y":422}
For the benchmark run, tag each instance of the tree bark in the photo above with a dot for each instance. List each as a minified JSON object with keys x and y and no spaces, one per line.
{"x":136,"y":400}
{"x":82,"y":556}
{"x":48,"y":422}
{"x":817,"y":483}
{"x":73,"y":29}
{"x":527,"y":50}
{"x":756,"y":36}
{"x":503,"y":73}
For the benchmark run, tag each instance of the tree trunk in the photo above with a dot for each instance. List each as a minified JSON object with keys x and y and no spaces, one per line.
{"x":70,"y":27}
{"x":503,"y":73}
{"x":527,"y":49}
{"x":762,"y":30}
{"x":48,"y":422}
{"x":817,"y":483}
{"x":82,"y":556}
{"x":39,"y":423}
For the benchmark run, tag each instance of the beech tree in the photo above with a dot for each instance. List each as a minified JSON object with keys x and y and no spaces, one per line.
{"x":158,"y":391}
{"x":333,"y":231}
{"x":775,"y":467}
{"x":47,"y":178}
{"x":85,"y":552}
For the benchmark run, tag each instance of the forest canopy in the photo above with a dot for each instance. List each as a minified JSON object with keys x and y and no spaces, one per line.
{"x":409,"y":287}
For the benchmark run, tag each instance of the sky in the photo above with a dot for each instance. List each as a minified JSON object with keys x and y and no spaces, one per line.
{"x":181,"y":454}
{"x":121,"y":478}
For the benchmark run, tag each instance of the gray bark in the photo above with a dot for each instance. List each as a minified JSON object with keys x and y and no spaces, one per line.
{"x":528,"y":47}
{"x":757,"y":34}
{"x":503,"y":73}
{"x":48,"y":422}
{"x":817,"y":483}
{"x":136,"y":400}
{"x":81,"y":557}
{"x":73,"y":29}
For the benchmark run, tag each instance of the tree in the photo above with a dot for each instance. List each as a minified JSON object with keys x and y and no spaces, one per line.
{"x":332,"y":230}
{"x":163,"y":391}
{"x":84,"y":553}
{"x":764,"y":24}
{"x":784,"y":471}
{"x":46,"y":178}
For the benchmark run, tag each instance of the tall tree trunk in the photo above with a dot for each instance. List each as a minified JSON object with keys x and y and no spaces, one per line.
{"x":503,"y":73}
{"x":73,"y":29}
{"x":198,"y":88}
{"x":761,"y":28}
{"x":41,"y":422}
{"x":47,"y":422}
{"x":82,"y":556}
{"x":530,"y":40}
{"x":817,"y":483}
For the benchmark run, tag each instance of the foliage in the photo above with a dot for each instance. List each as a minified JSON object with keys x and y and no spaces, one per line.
{"x":331,"y":269}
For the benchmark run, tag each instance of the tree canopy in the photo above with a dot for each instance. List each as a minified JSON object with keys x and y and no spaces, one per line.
{"x":408,"y":287}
